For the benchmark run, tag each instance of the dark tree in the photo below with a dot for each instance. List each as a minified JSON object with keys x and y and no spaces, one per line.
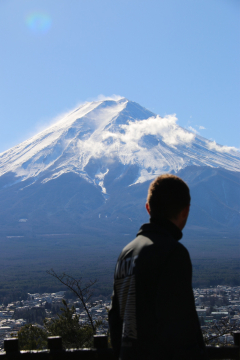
{"x":67,"y":326}
{"x":31,"y":337}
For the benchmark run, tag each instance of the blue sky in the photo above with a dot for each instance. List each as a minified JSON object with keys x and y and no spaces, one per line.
{"x":169,"y":56}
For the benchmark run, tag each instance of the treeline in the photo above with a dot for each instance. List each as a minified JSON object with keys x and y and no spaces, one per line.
{"x":31,"y":315}
{"x":206,"y":272}
{"x":36,"y":314}
{"x":213,"y":272}
{"x":8,"y":296}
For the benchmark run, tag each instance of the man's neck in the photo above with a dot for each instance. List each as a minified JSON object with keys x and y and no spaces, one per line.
{"x":168,"y":225}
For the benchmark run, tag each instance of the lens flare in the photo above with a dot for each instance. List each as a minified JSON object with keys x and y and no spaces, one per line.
{"x":39,"y":23}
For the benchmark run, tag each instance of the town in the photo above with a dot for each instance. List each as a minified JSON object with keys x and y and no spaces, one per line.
{"x":218,"y":310}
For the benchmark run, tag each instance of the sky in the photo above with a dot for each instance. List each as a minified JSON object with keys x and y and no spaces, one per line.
{"x":172,"y":57}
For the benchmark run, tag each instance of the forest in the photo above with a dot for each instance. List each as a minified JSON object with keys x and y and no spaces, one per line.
{"x":24,"y":262}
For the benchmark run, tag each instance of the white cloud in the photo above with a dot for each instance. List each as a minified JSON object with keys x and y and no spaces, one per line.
{"x":125,"y":143}
{"x":166,"y":128}
{"x":212,"y":145}
{"x":201,"y":127}
{"x":193,"y":130}
{"x":44,"y":124}
{"x":102,"y":97}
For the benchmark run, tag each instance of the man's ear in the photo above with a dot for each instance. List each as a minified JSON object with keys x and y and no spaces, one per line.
{"x":147,"y":208}
{"x":185,"y":212}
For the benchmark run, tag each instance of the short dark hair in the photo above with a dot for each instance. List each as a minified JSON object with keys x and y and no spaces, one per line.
{"x":167,"y":196}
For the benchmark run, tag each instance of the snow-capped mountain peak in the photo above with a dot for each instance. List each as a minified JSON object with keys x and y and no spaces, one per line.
{"x":107,"y":132}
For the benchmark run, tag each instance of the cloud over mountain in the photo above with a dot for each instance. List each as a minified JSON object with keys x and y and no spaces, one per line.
{"x":115,"y":129}
{"x":96,"y":162}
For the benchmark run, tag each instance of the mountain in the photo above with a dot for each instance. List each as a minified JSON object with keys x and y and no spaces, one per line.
{"x":89,"y":172}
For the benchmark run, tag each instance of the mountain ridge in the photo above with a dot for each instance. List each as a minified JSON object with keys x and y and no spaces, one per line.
{"x":97,"y":162}
{"x":111,"y":129}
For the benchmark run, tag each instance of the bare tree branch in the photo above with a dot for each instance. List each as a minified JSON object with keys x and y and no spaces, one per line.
{"x":82,"y":291}
{"x":222,"y":328}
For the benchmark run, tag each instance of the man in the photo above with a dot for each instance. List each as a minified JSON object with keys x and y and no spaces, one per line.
{"x":152,"y":314}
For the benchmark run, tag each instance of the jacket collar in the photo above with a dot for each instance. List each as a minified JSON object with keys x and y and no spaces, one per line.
{"x":159,"y":224}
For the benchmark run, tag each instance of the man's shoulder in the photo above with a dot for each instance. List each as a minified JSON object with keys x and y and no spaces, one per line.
{"x":147,"y":235}
{"x":182,"y":249}
{"x":136,"y":245}
{"x":180,"y":256}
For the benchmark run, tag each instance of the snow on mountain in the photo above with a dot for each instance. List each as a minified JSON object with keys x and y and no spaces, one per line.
{"x":113,"y":131}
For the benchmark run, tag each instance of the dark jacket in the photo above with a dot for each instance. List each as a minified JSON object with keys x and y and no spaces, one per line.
{"x":152,"y":314}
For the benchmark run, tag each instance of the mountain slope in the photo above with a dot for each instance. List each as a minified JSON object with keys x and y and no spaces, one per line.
{"x":91,"y":170}
{"x":112,"y":131}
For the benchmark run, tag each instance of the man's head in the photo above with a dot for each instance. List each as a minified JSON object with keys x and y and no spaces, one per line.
{"x":169,"y":197}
